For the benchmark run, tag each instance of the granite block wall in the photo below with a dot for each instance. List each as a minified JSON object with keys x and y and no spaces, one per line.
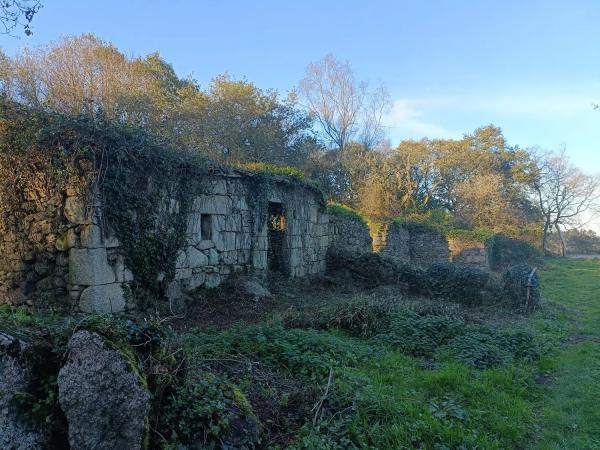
{"x":349,"y":234}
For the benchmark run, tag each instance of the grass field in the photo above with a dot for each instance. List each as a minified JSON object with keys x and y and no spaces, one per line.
{"x":569,"y":412}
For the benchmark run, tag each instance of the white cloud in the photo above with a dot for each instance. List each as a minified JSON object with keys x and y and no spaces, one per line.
{"x":412,"y":117}
{"x":406,"y":119}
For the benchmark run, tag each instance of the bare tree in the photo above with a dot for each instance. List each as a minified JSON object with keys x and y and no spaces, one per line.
{"x":377,"y":104}
{"x":15,"y":13}
{"x":564,"y":194}
{"x":343,"y":106}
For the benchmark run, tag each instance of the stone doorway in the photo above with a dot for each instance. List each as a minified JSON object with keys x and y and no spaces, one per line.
{"x":276,"y":235}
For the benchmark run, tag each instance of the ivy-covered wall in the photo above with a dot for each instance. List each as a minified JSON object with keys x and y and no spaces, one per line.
{"x":100,"y":217}
{"x":68,"y":251}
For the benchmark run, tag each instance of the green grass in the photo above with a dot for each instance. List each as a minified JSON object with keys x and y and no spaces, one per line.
{"x":570,"y":416}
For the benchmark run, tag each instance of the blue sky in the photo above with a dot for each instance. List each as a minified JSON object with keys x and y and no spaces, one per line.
{"x":530,"y":67}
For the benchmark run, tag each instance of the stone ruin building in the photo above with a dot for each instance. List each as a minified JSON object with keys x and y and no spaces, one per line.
{"x":72,"y":235}
{"x":58,"y":247}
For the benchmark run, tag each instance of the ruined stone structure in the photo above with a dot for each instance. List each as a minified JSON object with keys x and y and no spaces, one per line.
{"x":417,"y":245}
{"x":468,"y":253}
{"x":59,"y":247}
{"x":349,"y":234}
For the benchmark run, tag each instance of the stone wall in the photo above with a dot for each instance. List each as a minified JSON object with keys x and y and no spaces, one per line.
{"x":417,"y":245}
{"x":56,"y":247}
{"x":38,"y":227}
{"x":349,"y":234}
{"x":468,"y":252}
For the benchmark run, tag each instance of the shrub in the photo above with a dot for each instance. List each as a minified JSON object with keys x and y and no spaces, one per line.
{"x":503,"y":252}
{"x":477,"y":235}
{"x":420,"y":335}
{"x":373,"y":269}
{"x":417,"y":225}
{"x":339,"y":210}
{"x":521,"y":287}
{"x":272,"y":169}
{"x":357,"y":318}
{"x":522,"y":345}
{"x":210,"y":414}
{"x":437,"y":220}
{"x":458,"y":283}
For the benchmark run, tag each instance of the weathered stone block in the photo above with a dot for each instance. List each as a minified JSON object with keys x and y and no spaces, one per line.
{"x":15,"y":377}
{"x":104,"y":299}
{"x":89,"y":267}
{"x":212,"y":204}
{"x":75,"y":210}
{"x":91,"y":236}
{"x":103,"y":398}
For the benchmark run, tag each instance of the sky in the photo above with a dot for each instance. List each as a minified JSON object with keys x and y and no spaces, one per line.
{"x":531,"y":67}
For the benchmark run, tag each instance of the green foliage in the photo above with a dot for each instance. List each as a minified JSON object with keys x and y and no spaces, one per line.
{"x":418,"y":225}
{"x":272,"y":169}
{"x":209,"y":413}
{"x":476,"y":235}
{"x":339,"y":210}
{"x":504,"y":252}
{"x":435,"y":220}
{"x":420,"y":335}
{"x":360,"y":319}
{"x":461,"y":284}
{"x":479,"y":348}
{"x":306,"y":353}
{"x":521,"y":287}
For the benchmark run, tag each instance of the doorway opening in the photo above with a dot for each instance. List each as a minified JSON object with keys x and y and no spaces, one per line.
{"x":276,"y":235}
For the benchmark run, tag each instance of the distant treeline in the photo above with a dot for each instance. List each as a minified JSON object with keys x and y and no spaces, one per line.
{"x":331,"y":130}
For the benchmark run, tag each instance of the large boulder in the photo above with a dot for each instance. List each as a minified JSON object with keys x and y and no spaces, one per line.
{"x":104,"y":399}
{"x":15,"y":377}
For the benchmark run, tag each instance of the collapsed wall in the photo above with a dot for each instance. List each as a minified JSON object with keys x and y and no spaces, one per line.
{"x":413,"y":243}
{"x":349,"y":234}
{"x":468,"y":252}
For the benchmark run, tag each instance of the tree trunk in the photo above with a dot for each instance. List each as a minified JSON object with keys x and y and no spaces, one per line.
{"x":545,"y":238}
{"x":563,"y":250}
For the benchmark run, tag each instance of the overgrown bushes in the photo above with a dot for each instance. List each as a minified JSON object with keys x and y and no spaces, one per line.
{"x":372,"y":269}
{"x":339,"y":210}
{"x":420,"y":335}
{"x":436,"y":336}
{"x":358,"y":319}
{"x":458,"y":283}
{"x":209,"y":413}
{"x":504,"y":252}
